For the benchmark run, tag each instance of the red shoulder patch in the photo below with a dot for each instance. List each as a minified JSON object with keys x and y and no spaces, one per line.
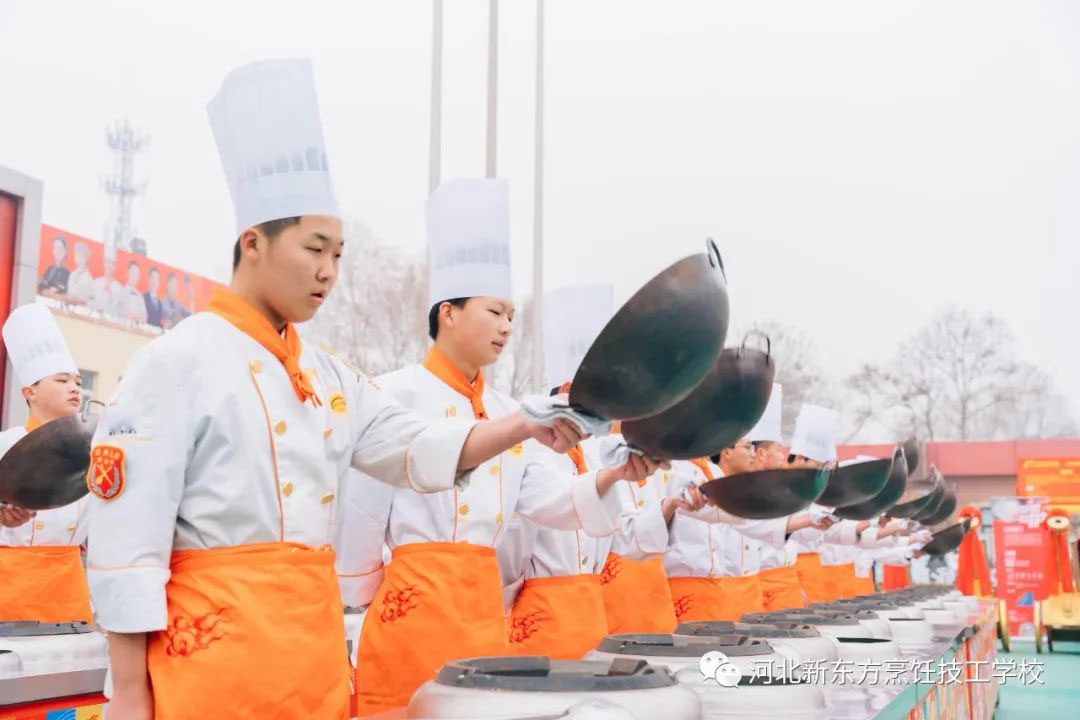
{"x":105,"y":476}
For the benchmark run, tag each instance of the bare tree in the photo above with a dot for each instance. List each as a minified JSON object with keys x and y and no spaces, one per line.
{"x":1033,"y":408}
{"x":959,"y":378}
{"x":376,"y":316}
{"x":798,"y":369}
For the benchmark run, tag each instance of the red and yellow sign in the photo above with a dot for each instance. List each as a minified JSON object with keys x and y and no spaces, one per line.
{"x":118,"y":286}
{"x":1020,"y":553}
{"x":1056,"y":479}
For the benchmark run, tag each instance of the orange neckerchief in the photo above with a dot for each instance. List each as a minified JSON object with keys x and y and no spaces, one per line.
{"x":440,"y":366}
{"x":576,"y":453}
{"x":32,"y":423}
{"x":252,"y":322}
{"x":972,"y":571}
{"x":1059,"y":572}
{"x":578,"y":456}
{"x":704,"y":465}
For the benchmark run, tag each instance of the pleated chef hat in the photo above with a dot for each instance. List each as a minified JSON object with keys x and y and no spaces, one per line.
{"x":468,"y":231}
{"x":35,"y":344}
{"x":573,"y":317}
{"x":768,"y":428}
{"x":815,"y":433}
{"x":266,"y":123}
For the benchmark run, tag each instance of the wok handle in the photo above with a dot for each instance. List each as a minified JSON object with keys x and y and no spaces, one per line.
{"x":758,"y":333}
{"x":713,"y":253}
{"x":85,"y":414}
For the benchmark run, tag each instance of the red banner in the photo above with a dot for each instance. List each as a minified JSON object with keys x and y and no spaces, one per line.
{"x":1057,"y":479}
{"x":1019,"y":556}
{"x":126,"y":287}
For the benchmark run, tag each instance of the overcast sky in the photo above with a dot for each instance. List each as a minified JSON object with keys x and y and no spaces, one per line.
{"x":862,"y":164}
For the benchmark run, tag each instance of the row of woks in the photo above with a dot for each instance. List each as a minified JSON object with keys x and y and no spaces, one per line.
{"x":785,"y":659}
{"x":694,"y":402}
{"x":855,"y":490}
{"x":660,"y":367}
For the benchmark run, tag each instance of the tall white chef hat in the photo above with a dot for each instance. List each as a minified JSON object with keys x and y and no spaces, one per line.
{"x":768,"y":428}
{"x":35,"y":344}
{"x":468,"y":231}
{"x":573,"y":317}
{"x":815,"y":433}
{"x":266,"y":123}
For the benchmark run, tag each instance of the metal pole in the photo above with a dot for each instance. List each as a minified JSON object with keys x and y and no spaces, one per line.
{"x":493,"y":85}
{"x":435,"y":136}
{"x":538,"y":211}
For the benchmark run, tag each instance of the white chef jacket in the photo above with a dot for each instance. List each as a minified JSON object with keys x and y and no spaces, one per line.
{"x":642,"y":532}
{"x":526,"y":479}
{"x":771,"y":558}
{"x":60,"y":526}
{"x":220,"y":452}
{"x":710,"y":542}
{"x":557,"y":553}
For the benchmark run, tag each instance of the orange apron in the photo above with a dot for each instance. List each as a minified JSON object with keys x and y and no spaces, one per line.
{"x":837,"y":581}
{"x":561,"y":617}
{"x":44,"y":583}
{"x":780,"y":589}
{"x":811,"y":577}
{"x":254,"y":631}
{"x":725,"y":598}
{"x":894,"y":577}
{"x":637,"y":597}
{"x":864,"y":586}
{"x":437,"y":602}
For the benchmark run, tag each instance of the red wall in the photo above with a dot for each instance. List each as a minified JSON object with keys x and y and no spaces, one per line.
{"x":8,"y":221}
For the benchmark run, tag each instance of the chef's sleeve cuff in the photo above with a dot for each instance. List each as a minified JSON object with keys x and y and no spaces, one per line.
{"x":129,"y":600}
{"x":431,"y":462}
{"x":598,"y":515}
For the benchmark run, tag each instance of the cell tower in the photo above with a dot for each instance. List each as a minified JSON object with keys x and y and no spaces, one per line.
{"x":124,"y":141}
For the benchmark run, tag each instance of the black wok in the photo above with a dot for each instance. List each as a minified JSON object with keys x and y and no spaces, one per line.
{"x":893,"y":490}
{"x":659,"y":345}
{"x":856,"y":482}
{"x":718,"y":412}
{"x":944,"y":511}
{"x":947,"y":540}
{"x":922,"y":494}
{"x":47,"y":468}
{"x":767,"y":494}
{"x":911,"y":454}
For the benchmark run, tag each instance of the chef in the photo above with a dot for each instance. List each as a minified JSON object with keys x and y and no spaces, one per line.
{"x":780,"y":588}
{"x":559,"y":610}
{"x":440,"y":598}
{"x":843,"y":564}
{"x":637,"y":596}
{"x":814,"y":445}
{"x":41,"y":559}
{"x":711,"y":570}
{"x":216,"y":467}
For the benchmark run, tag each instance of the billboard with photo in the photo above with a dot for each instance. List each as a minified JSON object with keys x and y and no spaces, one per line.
{"x":120,"y":287}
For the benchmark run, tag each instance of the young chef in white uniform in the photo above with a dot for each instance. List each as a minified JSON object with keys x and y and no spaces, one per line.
{"x":216,"y":467}
{"x":440,"y":598}
{"x":559,"y":610}
{"x":41,"y":559}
